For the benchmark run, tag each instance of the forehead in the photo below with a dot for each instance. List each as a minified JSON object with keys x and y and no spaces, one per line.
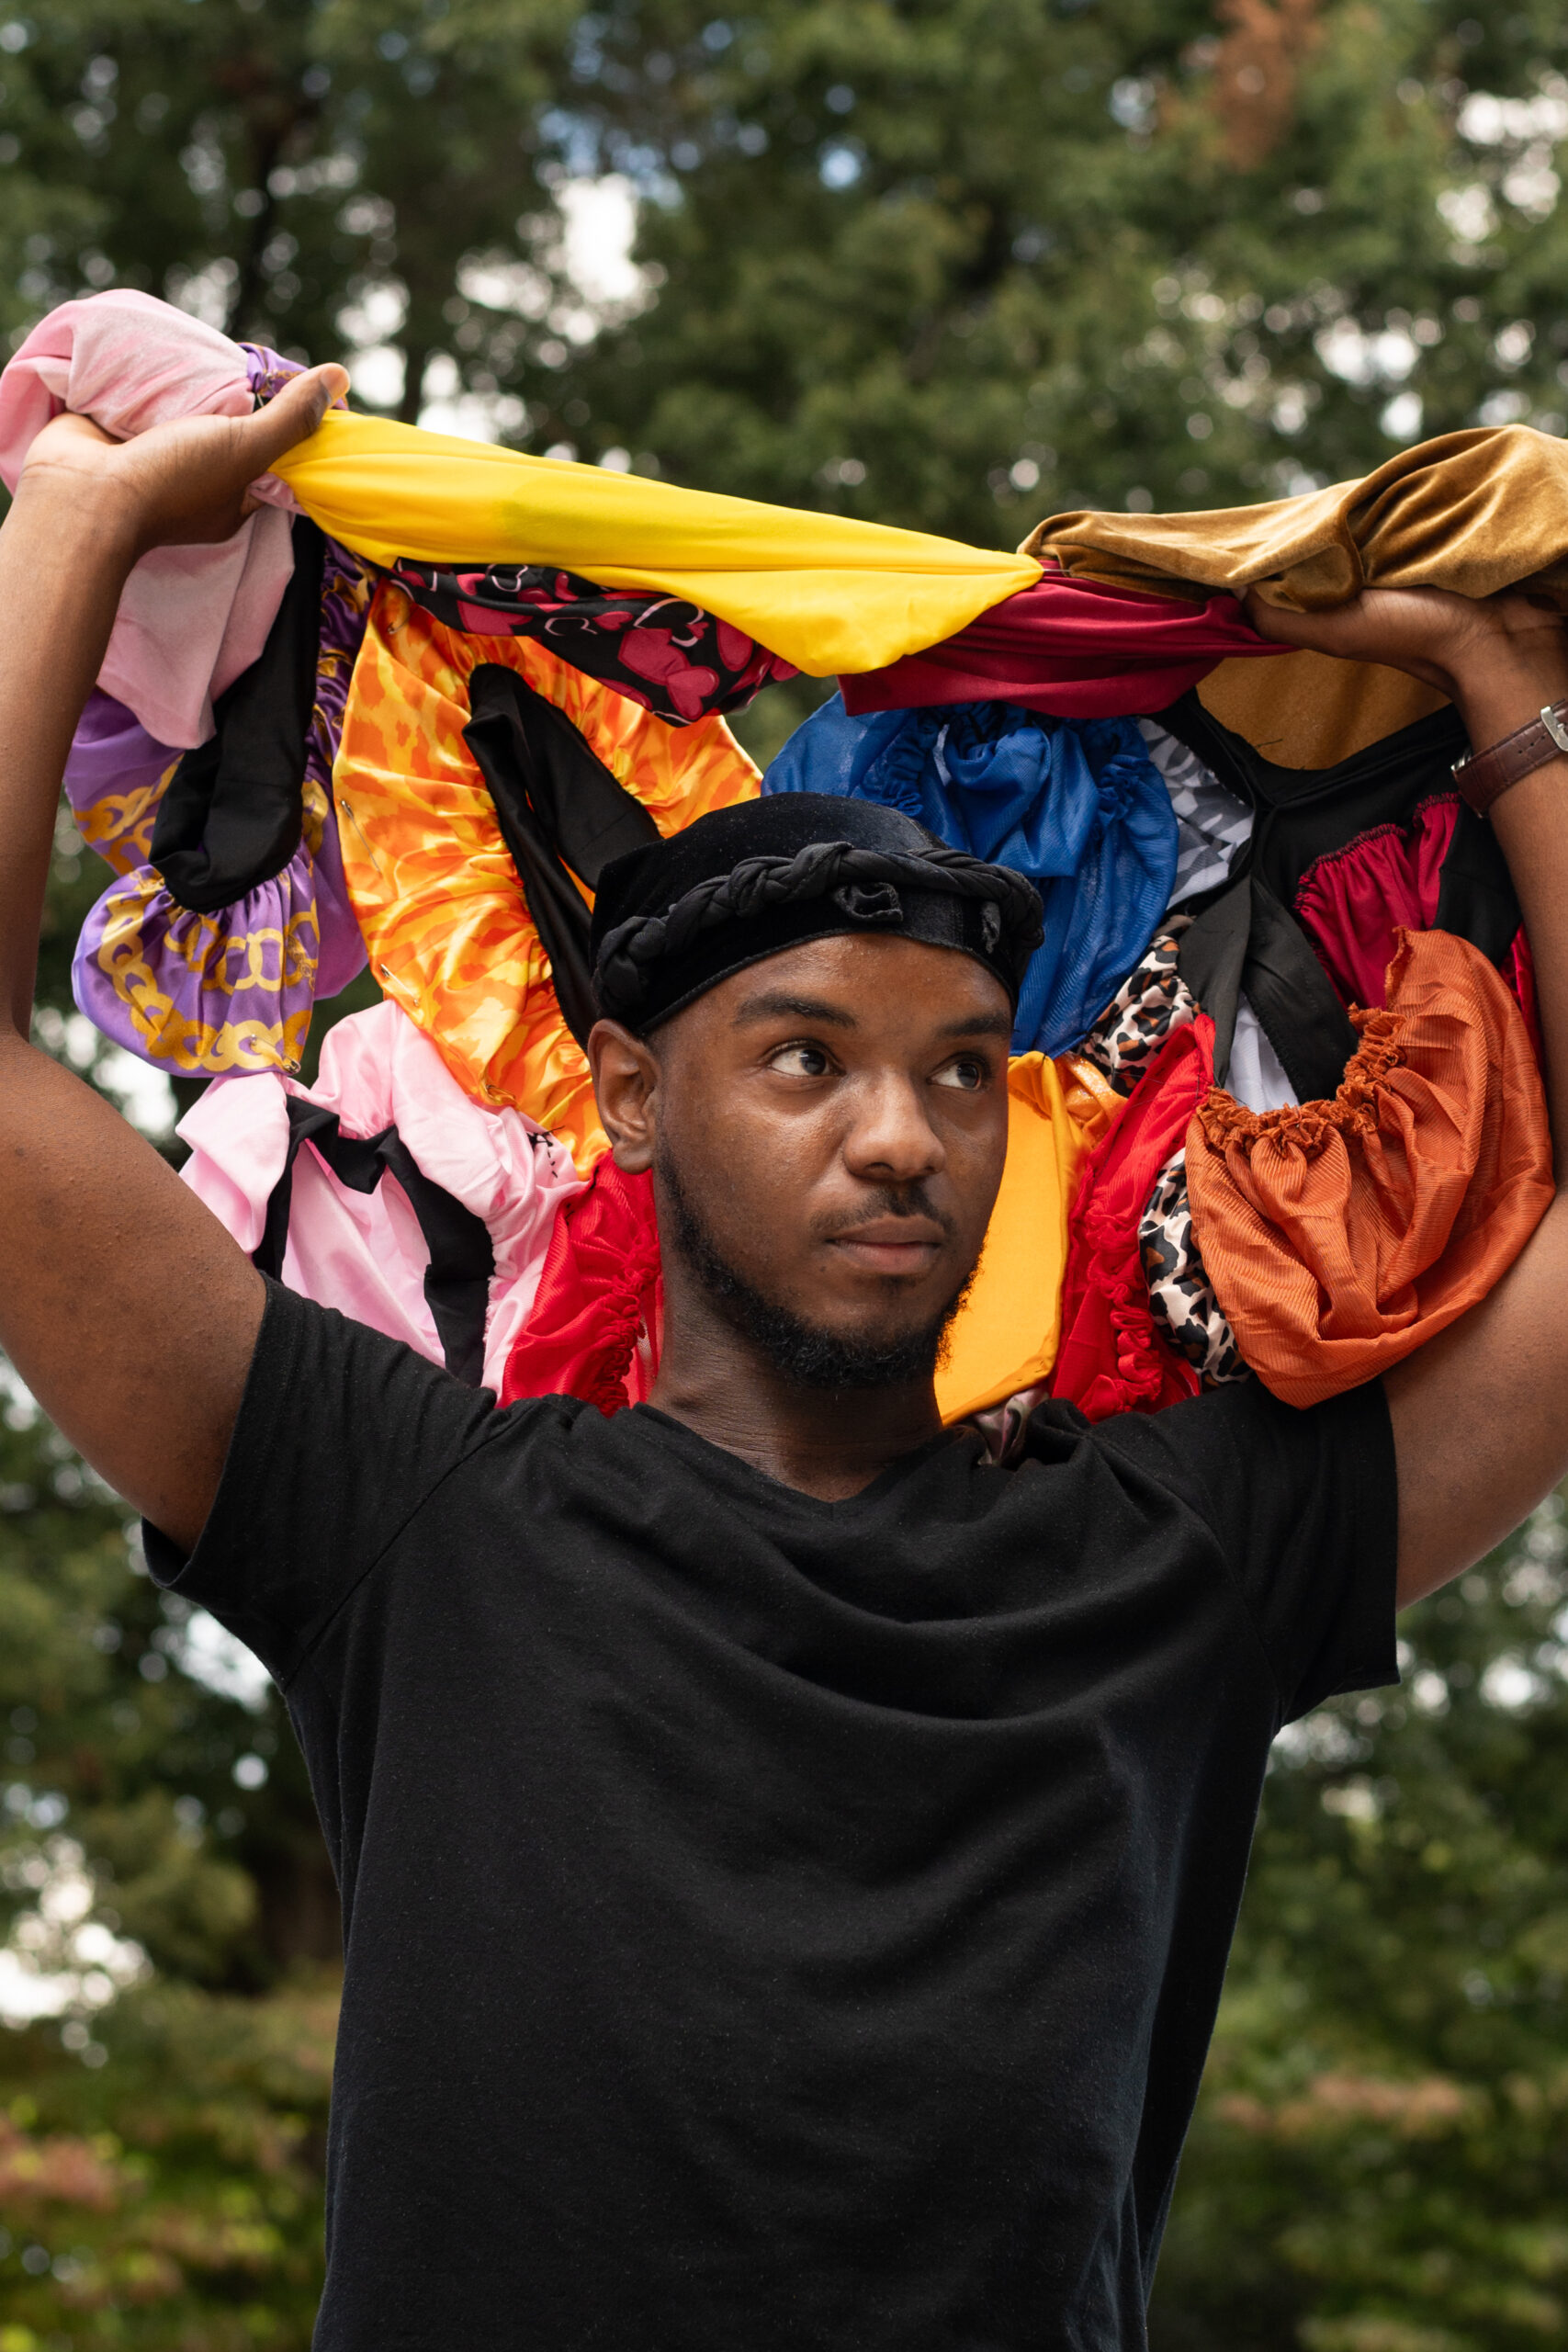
{"x":876,"y":986}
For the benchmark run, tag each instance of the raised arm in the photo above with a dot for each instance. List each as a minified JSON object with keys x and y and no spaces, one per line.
{"x":1480,"y":1413}
{"x":123,"y":1304}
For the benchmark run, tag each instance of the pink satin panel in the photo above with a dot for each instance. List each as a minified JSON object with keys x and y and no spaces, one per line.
{"x":190,"y":618}
{"x":363,"y":1252}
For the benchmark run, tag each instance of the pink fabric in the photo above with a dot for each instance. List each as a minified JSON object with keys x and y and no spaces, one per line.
{"x":190,"y":618}
{"x":1068,"y":647}
{"x":364,"y":1253}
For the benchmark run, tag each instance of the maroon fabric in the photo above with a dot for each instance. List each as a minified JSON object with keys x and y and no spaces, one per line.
{"x":1518,"y":968}
{"x":1353,"y":902}
{"x":673,"y":658}
{"x":1070,"y":647}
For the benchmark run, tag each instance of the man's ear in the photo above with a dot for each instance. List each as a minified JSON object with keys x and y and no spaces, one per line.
{"x":625,"y":1078}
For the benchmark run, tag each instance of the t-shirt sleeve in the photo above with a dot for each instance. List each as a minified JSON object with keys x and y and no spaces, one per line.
{"x":341,"y":1435}
{"x":1305,"y":1508}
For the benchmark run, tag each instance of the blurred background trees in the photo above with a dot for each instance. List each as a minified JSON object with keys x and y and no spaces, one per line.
{"x":951,"y":263}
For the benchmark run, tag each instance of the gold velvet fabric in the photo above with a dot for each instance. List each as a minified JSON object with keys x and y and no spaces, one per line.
{"x":1473,"y":512}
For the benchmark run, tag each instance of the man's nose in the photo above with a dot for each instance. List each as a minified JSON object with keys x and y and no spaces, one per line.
{"x":891,"y":1139}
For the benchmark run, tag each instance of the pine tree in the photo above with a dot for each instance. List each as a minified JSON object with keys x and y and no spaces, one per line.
{"x":1380,"y":2158}
{"x":949,"y":262}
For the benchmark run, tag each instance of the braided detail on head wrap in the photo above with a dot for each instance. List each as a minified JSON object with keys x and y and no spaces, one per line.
{"x":864,"y":880}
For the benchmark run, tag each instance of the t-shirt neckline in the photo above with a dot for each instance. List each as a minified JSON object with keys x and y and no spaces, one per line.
{"x":721,"y":1466}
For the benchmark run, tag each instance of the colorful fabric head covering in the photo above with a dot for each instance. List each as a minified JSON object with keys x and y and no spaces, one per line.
{"x":672,"y":920}
{"x":1078,"y":807}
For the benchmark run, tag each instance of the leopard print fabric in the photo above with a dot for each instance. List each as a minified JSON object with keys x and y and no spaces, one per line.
{"x":1180,"y":1294}
{"x":1152,"y":1001}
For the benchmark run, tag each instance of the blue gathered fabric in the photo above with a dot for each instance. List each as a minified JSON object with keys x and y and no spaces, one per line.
{"x":1077,"y":805}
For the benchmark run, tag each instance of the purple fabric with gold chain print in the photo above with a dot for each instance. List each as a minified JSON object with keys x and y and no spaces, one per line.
{"x":204,"y":993}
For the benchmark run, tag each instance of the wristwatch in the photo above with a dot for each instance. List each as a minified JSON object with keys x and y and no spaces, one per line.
{"x":1484,"y":776}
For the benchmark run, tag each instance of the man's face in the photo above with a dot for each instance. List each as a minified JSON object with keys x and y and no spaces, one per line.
{"x":826,"y":1131}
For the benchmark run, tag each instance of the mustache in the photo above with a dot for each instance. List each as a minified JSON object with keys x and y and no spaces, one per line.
{"x":890,"y":1200}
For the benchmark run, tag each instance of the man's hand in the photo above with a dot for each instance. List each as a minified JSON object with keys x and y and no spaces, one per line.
{"x":1450,"y":642}
{"x":184,"y":485}
{"x":1481,"y":1414}
{"x":123,"y":1304}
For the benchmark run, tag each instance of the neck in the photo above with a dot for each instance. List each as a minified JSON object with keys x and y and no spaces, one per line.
{"x":826,"y":1442}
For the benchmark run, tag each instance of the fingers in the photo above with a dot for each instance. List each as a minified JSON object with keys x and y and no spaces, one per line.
{"x":1414,"y":630}
{"x":1278,"y":623}
{"x":293,"y":415}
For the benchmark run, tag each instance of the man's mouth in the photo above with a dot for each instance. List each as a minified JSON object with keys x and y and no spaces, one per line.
{"x":892,"y":1245}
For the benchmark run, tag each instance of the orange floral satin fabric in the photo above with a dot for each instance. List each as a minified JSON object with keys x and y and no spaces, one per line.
{"x":437,"y":895}
{"x":1340,"y":1236}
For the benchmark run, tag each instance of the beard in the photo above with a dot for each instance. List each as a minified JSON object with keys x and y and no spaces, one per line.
{"x":802,"y":1352}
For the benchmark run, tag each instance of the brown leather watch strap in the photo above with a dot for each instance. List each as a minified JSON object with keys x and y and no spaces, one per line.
{"x":1484,"y":776}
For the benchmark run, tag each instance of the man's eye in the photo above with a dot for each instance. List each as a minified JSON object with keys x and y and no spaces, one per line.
{"x":801,"y":1062}
{"x":966,"y":1073}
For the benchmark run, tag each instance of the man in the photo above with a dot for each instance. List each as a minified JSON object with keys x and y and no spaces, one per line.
{"x":787,"y":1863}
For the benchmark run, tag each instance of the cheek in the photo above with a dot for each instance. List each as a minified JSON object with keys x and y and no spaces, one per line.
{"x":975,"y":1159}
{"x":753,"y":1179}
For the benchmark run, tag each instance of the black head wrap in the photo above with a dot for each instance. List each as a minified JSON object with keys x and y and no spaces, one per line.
{"x":674,"y":919}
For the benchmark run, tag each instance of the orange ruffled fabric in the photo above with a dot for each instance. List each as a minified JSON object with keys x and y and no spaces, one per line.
{"x":1340,"y":1236}
{"x":433,"y":883}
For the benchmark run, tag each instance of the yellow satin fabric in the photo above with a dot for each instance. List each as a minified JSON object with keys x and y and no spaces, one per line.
{"x":825,"y":592}
{"x":437,"y":895}
{"x":1006,"y":1335}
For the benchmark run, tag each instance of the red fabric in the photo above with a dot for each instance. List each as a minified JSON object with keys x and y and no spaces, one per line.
{"x":1518,"y":968}
{"x":598,"y":1292}
{"x":1354,"y":901}
{"x":1068,"y":647}
{"x":1113,"y":1357}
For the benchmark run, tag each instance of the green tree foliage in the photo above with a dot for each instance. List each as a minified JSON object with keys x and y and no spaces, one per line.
{"x":949,"y":262}
{"x":160,"y":2153}
{"x":269,"y":164}
{"x":171,"y":2196}
{"x":1381,"y":2157}
{"x":962,"y":265}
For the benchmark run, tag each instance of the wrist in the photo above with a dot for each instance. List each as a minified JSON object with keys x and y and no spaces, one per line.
{"x":1494,"y":699}
{"x":93,"y":517}
{"x":1495,"y":659}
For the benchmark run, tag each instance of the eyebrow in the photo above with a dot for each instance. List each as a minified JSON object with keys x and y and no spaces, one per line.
{"x":772,"y":1004}
{"x":978,"y":1024}
{"x":775,"y":1004}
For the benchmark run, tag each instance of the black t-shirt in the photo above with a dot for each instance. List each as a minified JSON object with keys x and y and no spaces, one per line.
{"x":770,"y":1922}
